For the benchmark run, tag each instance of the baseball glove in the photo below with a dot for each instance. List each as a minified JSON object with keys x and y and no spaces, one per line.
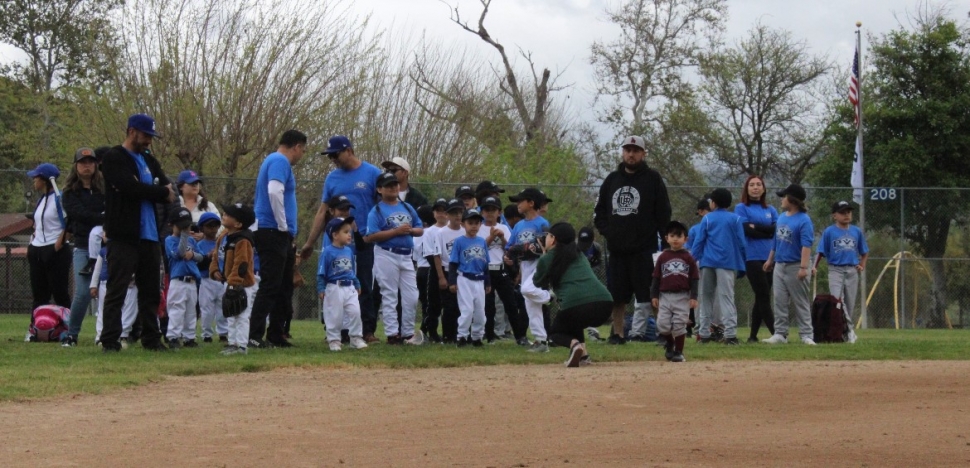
{"x":234,"y":301}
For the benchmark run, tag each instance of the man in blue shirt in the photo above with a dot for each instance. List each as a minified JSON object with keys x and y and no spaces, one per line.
{"x":357,"y":180}
{"x":275,"y":209}
{"x":134,"y":183}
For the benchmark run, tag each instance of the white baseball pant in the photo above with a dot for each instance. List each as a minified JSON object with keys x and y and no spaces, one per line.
{"x":210,"y":304}
{"x":471,"y":304}
{"x":341,"y":310}
{"x":182,"y":297}
{"x":238,"y":326}
{"x":129,"y":311}
{"x":395,"y":272}
{"x":534,"y":297}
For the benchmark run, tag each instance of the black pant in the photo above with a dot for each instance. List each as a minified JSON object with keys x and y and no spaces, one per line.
{"x":502,"y":287}
{"x":365,"y":273}
{"x":142,"y":259}
{"x":432,"y":312}
{"x":422,"y":275}
{"x":571,"y":323}
{"x":449,"y":319}
{"x":274,"y":299}
{"x":761,"y":285}
{"x":49,"y":273}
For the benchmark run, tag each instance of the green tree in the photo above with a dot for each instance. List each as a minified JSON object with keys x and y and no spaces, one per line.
{"x":916,"y":133}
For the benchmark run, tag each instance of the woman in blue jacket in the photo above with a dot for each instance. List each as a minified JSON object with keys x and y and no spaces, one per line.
{"x":759,"y":220}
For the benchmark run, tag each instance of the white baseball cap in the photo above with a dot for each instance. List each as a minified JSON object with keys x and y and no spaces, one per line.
{"x":633,"y":141}
{"x":397,"y":161}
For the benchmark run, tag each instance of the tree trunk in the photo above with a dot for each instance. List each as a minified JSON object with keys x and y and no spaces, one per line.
{"x":938,"y":230}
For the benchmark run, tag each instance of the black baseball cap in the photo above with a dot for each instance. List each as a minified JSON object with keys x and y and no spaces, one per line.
{"x":545,"y":198}
{"x":492,"y":201}
{"x":464,"y":190}
{"x":487,"y":186}
{"x":530,"y":193}
{"x":180,"y":217}
{"x":386,"y":178}
{"x":793,"y":190}
{"x":472,"y":213}
{"x":242,"y":212}
{"x":340,"y":202}
{"x":84,"y":153}
{"x":335,"y":224}
{"x":841,"y":205}
{"x":585,"y":238}
{"x":440,"y":203}
{"x":455,"y":204}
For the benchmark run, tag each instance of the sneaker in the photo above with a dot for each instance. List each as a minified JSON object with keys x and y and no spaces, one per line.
{"x":731,"y":342}
{"x":190,"y":344}
{"x":69,"y":342}
{"x":124,"y":342}
{"x":585,"y":360}
{"x":434,"y":337}
{"x":394,"y":340}
{"x":477,"y":343}
{"x":174,"y":344}
{"x":156,"y":347}
{"x":669,"y":351}
{"x":753,"y":340}
{"x":241,"y":350}
{"x":357,"y":342}
{"x":616,"y":340}
{"x":808,"y":341}
{"x":638,"y":338}
{"x":523,"y":342}
{"x":415,"y":340}
{"x":207,"y":339}
{"x":776,"y":339}
{"x":462,"y":342}
{"x":259,"y":344}
{"x":678,"y":357}
{"x":370,"y":338}
{"x":228,"y":350}
{"x":575,"y":355}
{"x":335,"y":345}
{"x":593,"y":334}
{"x":539,"y":347}
{"x":508,"y":336}
{"x":224,"y":339}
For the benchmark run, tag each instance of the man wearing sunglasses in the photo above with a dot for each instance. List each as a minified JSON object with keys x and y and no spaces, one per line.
{"x":357,"y":180}
{"x":402,"y":170}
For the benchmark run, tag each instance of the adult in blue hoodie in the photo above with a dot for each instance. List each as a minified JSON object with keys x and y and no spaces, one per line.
{"x":720,"y":246}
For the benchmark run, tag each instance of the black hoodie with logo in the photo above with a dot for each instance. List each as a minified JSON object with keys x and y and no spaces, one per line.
{"x":632,"y":210}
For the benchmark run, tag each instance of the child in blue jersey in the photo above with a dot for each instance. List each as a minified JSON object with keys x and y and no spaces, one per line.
{"x":340,"y":206}
{"x":391,"y":225}
{"x":759,"y":220}
{"x":844,"y":247}
{"x":183,"y":257}
{"x":713,"y":325}
{"x":524,"y":233}
{"x":210,"y":290}
{"x":338,"y":285}
{"x":720,"y":246}
{"x":468,"y":278}
{"x":790,"y":259}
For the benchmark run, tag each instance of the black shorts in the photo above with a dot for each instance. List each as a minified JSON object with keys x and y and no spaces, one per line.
{"x":629,"y":275}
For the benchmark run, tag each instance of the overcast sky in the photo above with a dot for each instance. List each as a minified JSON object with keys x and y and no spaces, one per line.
{"x":559,"y":32}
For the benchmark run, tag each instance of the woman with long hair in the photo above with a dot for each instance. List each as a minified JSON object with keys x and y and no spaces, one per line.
{"x":759,"y":220}
{"x":84,"y":205}
{"x":193,"y":198}
{"x":48,"y":259}
{"x":585,"y":301}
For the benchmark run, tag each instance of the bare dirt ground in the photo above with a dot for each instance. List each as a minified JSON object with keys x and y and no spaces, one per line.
{"x":637,"y":414}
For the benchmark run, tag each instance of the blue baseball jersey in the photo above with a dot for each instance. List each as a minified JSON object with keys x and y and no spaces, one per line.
{"x":691,"y":236}
{"x":843,"y":247}
{"x":359,"y":185}
{"x":471,"y":255}
{"x":384,"y":217}
{"x":757,"y":249}
{"x":275,"y":167}
{"x":104,"y":264}
{"x":526,"y":231}
{"x":792,"y":234}
{"x":720,"y":241}
{"x":147,"y":227}
{"x":336,"y":264}
{"x":177,"y":265}
{"x":206,"y":246}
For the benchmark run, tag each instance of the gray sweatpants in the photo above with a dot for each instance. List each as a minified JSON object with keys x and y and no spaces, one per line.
{"x":792,"y":294}
{"x":674,"y":313}
{"x":844,"y":284}
{"x":717,"y":291}
{"x":641,"y":314}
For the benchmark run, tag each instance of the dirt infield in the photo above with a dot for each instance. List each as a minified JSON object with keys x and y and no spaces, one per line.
{"x":638,"y":414}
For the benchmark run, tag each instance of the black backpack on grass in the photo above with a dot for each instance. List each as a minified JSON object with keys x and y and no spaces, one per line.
{"x":828,"y":319}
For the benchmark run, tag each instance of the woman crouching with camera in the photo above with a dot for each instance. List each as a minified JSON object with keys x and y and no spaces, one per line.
{"x":585,"y":301}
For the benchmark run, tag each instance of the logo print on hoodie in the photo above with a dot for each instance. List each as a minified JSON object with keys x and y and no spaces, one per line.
{"x":626,"y":201}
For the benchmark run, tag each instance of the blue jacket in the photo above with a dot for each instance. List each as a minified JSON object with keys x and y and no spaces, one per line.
{"x":719,"y":241}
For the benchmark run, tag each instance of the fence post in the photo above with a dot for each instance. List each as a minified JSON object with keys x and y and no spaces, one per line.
{"x":902,"y":258}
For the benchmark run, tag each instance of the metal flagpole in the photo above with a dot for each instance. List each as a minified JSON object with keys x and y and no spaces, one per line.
{"x":863,"y":316}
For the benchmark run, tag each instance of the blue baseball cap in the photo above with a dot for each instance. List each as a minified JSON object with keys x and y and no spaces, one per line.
{"x":208,"y":217}
{"x":44,"y":171}
{"x":143,"y":123}
{"x":335,"y":224}
{"x":336,"y":144}
{"x":187,"y":177}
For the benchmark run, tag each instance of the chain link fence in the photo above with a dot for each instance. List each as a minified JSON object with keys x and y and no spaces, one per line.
{"x":918,"y":271}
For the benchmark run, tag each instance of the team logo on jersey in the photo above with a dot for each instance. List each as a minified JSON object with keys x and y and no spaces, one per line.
{"x":448,"y":247}
{"x":525,"y":237}
{"x":675,"y":267}
{"x":626,"y":201}
{"x":398,"y":219}
{"x":341,"y":265}
{"x":496,"y":242}
{"x":844,"y":244}
{"x":360,"y":185}
{"x":785,"y":234}
{"x":474,"y":253}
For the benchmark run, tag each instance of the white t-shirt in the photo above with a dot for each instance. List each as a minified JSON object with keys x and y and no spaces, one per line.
{"x":417,"y":253}
{"x":47,"y":223}
{"x":446,"y":240}
{"x":496,"y":250}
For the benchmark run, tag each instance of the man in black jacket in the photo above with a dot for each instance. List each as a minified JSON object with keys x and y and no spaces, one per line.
{"x":631,"y":213}
{"x":402,"y":170}
{"x":134,"y":183}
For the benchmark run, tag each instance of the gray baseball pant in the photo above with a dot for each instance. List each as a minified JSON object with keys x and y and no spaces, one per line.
{"x":717,"y":291}
{"x":792,"y":294}
{"x":844,"y":284}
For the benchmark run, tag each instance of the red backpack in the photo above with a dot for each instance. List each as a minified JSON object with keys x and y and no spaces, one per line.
{"x":48,"y":323}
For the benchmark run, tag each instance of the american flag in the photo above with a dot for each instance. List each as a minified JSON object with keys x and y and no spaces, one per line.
{"x":856,"y":178}
{"x":854,"y":86}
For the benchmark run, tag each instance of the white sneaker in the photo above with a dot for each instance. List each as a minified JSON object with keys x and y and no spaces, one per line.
{"x":808,"y":341}
{"x":357,"y":342}
{"x":775,"y":339}
{"x":124,"y":343}
{"x":416,"y":340}
{"x":335,"y":345}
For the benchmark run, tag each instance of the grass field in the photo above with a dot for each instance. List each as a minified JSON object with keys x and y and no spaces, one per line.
{"x":43,"y":370}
